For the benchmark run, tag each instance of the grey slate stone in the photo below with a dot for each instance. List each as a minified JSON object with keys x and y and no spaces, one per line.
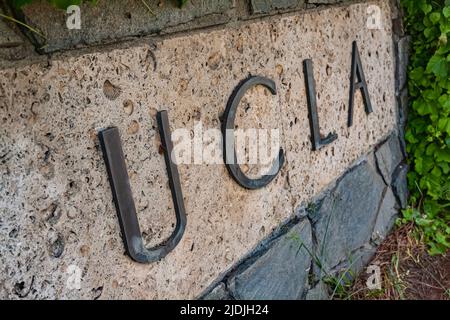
{"x":8,"y":38}
{"x":217,"y":293}
{"x":12,"y":46}
{"x":403,"y":101}
{"x":398,"y":27}
{"x":400,"y":185}
{"x":402,"y":62}
{"x":356,"y":262}
{"x":265,"y":6}
{"x":281,"y":272}
{"x":319,"y":292}
{"x":321,"y":2}
{"x":112,"y":20}
{"x":403,"y":107}
{"x":386,"y":216}
{"x":346,"y":218}
{"x":388,"y":156}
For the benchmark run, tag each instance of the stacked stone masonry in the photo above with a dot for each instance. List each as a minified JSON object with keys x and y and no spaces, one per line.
{"x":339,"y":234}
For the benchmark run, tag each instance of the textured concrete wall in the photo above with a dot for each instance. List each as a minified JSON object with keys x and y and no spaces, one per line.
{"x":55,"y":200}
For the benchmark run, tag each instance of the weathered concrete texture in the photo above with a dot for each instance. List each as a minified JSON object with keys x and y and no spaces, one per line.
{"x":346,"y":217}
{"x":56,"y":207}
{"x":112,"y":20}
{"x":281,"y":272}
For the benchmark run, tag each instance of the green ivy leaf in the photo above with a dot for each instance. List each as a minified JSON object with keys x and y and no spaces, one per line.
{"x":446,"y":11}
{"x":435,"y":17}
{"x":417,"y":73}
{"x":428,"y":131}
{"x":181,"y":3}
{"x":20,"y":3}
{"x":444,"y":101}
{"x":438,"y":66}
{"x":426,"y":8}
{"x":445,"y":166}
{"x":443,"y":155}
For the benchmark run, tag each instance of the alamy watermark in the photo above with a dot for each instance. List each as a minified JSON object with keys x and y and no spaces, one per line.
{"x":244,"y":146}
{"x":374,"y":21}
{"x":73,"y":20}
{"x":374,"y":280}
{"x":73,"y":281}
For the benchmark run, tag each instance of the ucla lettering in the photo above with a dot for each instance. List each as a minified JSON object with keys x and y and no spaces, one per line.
{"x":119,"y":180}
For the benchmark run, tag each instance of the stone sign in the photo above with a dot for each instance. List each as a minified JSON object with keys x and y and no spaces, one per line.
{"x":59,"y":232}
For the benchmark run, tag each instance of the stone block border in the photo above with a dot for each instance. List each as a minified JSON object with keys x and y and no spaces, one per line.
{"x":121,"y":20}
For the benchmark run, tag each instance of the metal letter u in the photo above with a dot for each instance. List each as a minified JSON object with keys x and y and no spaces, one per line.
{"x":123,"y":198}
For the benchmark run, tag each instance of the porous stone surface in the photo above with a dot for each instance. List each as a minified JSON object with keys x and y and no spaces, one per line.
{"x":281,"y":272}
{"x":56,"y":209}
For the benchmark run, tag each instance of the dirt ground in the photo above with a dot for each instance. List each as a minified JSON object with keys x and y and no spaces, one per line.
{"x":408,"y":272}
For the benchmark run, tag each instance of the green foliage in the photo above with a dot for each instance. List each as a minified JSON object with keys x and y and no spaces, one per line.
{"x":181,"y":3}
{"x":428,"y":129}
